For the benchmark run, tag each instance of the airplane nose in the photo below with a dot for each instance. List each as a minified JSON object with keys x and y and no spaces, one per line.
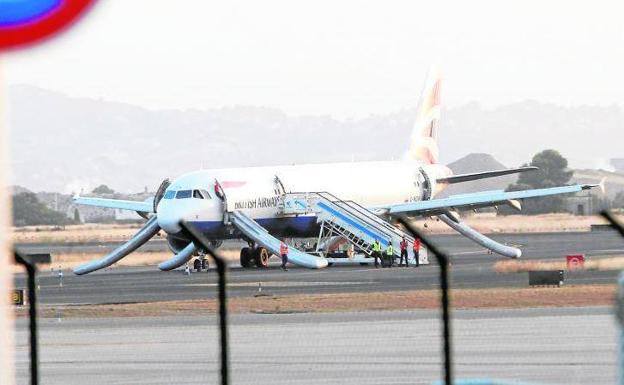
{"x":169,"y":224}
{"x":168,"y":218}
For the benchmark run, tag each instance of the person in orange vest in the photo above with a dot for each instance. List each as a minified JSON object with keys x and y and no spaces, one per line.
{"x":403,"y":245}
{"x":416,"y":249}
{"x":284,"y":254}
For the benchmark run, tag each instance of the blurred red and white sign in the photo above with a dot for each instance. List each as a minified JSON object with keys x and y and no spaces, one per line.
{"x":575,"y":261}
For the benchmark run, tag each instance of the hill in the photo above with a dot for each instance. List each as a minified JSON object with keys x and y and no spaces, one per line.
{"x":477,"y":163}
{"x":66,"y":144}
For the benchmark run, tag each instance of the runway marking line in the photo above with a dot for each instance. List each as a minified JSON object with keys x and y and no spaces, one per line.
{"x":269,"y":284}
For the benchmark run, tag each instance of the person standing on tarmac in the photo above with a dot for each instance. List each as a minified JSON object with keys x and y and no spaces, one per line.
{"x":284,"y":254}
{"x":416,"y":249}
{"x":403,"y":246}
{"x":376,"y":252}
{"x":389,"y":254}
{"x":350,"y":250}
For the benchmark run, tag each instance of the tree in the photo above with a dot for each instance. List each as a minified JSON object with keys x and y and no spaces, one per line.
{"x":28,"y":211}
{"x":103,"y":189}
{"x":77,"y":216}
{"x":553,"y":171}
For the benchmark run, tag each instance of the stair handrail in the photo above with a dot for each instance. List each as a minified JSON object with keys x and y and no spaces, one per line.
{"x":379,"y":220}
{"x":366,"y":212}
{"x":361,"y":209}
{"x":356,"y":213}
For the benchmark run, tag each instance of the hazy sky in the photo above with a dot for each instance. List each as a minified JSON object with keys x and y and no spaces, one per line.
{"x":343,"y":58}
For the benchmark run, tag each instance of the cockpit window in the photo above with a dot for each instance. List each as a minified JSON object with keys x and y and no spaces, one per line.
{"x":169,"y":194}
{"x":182,"y":194}
{"x":201,"y":194}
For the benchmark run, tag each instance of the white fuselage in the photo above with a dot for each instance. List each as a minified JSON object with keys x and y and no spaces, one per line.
{"x":256,"y":191}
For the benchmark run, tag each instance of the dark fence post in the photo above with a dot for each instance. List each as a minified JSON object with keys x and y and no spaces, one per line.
{"x":619,"y":300}
{"x":204,"y":243}
{"x":614,"y":221}
{"x":443,"y":262}
{"x":31,"y":270}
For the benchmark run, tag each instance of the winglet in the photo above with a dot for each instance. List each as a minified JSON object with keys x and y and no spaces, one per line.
{"x":600,"y":185}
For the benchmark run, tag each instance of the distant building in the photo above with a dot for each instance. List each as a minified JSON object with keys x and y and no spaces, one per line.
{"x":618,"y":164}
{"x":579,"y":204}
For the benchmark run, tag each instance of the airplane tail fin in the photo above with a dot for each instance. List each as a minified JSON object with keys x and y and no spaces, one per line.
{"x":424,"y":139}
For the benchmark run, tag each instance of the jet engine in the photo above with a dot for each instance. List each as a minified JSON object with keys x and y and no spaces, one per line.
{"x":426,"y":181}
{"x":429,"y":175}
{"x":177,"y":244}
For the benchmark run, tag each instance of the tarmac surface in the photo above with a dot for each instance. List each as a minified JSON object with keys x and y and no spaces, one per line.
{"x":472,"y":268}
{"x":548,"y":346}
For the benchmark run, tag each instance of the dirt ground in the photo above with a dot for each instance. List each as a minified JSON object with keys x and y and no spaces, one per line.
{"x":138,"y":258}
{"x":78,"y":233}
{"x":485,"y":223}
{"x":488,"y":223}
{"x":579,"y":295}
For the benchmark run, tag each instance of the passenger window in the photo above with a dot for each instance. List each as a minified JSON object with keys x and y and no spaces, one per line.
{"x":169,"y":194}
{"x":183,"y":194}
{"x":197,"y":194}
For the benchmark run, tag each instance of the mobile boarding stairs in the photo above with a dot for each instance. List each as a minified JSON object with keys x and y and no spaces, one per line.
{"x":337,"y":219}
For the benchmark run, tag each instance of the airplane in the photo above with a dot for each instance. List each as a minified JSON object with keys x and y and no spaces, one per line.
{"x":354,"y":201}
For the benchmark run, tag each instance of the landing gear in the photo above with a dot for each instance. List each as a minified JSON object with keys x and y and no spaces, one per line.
{"x":261,"y":256}
{"x":200,"y":264}
{"x":258,"y":256}
{"x":245,"y":257}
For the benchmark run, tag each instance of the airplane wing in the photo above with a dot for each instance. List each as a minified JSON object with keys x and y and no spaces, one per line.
{"x":484,"y":175}
{"x":143,"y":207}
{"x":480,"y":199}
{"x":444,"y":209}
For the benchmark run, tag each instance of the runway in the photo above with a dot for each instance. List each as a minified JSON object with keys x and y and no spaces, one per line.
{"x":472,"y":268}
{"x":545,"y":345}
{"x":548,"y":346}
{"x":533,"y":245}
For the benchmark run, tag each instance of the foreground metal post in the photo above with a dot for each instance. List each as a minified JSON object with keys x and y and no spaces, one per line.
{"x":31,"y":270}
{"x":619,"y":301}
{"x":443,"y":262}
{"x":204,"y":243}
{"x":619,"y":226}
